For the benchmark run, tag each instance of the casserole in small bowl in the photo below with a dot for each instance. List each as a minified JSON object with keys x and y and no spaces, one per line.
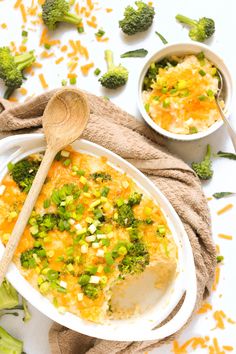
{"x":65,"y":262}
{"x":177,"y":88}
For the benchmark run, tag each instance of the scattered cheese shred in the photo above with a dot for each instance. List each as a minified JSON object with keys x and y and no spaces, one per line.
{"x":217,"y":278}
{"x":59,"y":60}
{"x":226,"y":237}
{"x":4,"y":25}
{"x":226,"y":208}
{"x":17,"y":4}
{"x":37,"y":65}
{"x":23,"y":91}
{"x":73,"y":66}
{"x":219,"y":317}
{"x":23,"y":13}
{"x":85,"y":68}
{"x":43,"y":81}
{"x":109,"y":10}
{"x":64,"y":48}
{"x":228,"y":348}
{"x":91,"y":24}
{"x":90,"y":4}
{"x":205,"y":307}
{"x":77,"y":8}
{"x":71,"y":75}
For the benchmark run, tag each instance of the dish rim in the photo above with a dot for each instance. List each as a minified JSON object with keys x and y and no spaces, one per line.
{"x":187,"y":48}
{"x":14,"y":273}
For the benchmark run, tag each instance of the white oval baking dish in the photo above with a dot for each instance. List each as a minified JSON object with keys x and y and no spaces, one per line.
{"x":143,"y":327}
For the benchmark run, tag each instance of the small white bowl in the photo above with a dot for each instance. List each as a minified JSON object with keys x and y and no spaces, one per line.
{"x":185,"y":49}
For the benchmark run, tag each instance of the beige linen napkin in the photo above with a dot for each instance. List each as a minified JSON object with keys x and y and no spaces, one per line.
{"x":118,"y":131}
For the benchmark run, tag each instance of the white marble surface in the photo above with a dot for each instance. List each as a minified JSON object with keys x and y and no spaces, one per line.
{"x":35,"y":333}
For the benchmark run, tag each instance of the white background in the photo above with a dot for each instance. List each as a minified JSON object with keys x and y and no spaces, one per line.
{"x":35,"y":333}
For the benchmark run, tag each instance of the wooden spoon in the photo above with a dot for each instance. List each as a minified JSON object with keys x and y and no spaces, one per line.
{"x":64,"y":120}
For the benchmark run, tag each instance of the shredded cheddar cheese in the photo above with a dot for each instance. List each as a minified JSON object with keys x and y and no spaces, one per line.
{"x":225,"y":209}
{"x":225,"y":237}
{"x":43,"y":81}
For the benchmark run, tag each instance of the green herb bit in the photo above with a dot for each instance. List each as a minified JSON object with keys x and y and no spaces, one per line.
{"x":219,"y":259}
{"x":91,"y":291}
{"x":63,"y":82}
{"x":91,"y":270}
{"x":202,"y":72}
{"x":24,"y":33}
{"x":135,"y":199}
{"x":108,"y":258}
{"x":137,"y":53}
{"x":220,"y":195}
{"x":67,"y":162}
{"x":80,"y":29}
{"x":166,"y":103}
{"x":200,"y":56}
{"x":147,"y":107}
{"x":193,"y":130}
{"x":202,"y":98}
{"x":97,"y":71}
{"x":104,"y":192}
{"x":226,"y":155}
{"x":100,"y":33}
{"x":106,"y":242}
{"x":47,"y":46}
{"x":46,"y":203}
{"x":73,"y":80}
{"x":162,"y":38}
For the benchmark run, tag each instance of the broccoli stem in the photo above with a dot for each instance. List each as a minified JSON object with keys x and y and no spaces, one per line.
{"x":9,"y":344}
{"x":186,"y":20}
{"x":109,"y":59}
{"x":24,"y":60}
{"x":9,"y":91}
{"x":208,"y":153}
{"x":70,"y":18}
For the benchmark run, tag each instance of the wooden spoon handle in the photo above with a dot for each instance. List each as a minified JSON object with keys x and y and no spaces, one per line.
{"x":26,"y":211}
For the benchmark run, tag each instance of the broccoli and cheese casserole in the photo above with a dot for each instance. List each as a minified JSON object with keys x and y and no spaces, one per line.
{"x":91,"y":229}
{"x":179,"y":94}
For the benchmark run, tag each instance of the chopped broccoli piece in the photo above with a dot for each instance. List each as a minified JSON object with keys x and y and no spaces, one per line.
{"x":23,"y":173}
{"x":136,"y":259}
{"x":91,"y":291}
{"x":135,"y":199}
{"x":9,"y":344}
{"x":116,"y":76}
{"x":101,"y":176}
{"x":55,"y":11}
{"x":200,"y":30}
{"x":137,"y":20}
{"x":11,"y":68}
{"x":125,"y":215}
{"x":8,"y":296}
{"x":29,"y":257}
{"x":203,"y":169}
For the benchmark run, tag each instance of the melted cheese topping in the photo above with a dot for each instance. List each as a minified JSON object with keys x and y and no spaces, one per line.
{"x":91,"y":241}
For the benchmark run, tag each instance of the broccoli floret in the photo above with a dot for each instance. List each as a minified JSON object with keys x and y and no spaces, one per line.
{"x":203,"y":169}
{"x":11,"y":68}
{"x":9,"y":344}
{"x":55,"y":11}
{"x":200,"y":30}
{"x":91,"y":291}
{"x":137,"y":20}
{"x":101,"y":176}
{"x":125,"y":215}
{"x":8,"y":296}
{"x":23,"y":173}
{"x":30,"y":257}
{"x":135,"y":199}
{"x":116,"y":76}
{"x":136,"y":259}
